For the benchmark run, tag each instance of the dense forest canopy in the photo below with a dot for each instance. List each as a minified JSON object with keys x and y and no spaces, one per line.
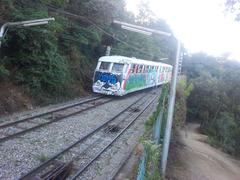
{"x":215,"y":99}
{"x":58,"y":59}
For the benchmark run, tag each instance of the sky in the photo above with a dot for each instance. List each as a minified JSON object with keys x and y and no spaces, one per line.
{"x":201,"y":25}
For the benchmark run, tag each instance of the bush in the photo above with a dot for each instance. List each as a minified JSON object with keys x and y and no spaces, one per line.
{"x":3,"y":72}
{"x":223,"y":132}
{"x":36,"y":62}
{"x":183,"y":91}
{"x":153,"y":153}
{"x":215,"y":101}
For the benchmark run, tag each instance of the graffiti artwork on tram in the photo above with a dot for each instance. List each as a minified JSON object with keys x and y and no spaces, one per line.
{"x":104,"y":81}
{"x":140,"y":80}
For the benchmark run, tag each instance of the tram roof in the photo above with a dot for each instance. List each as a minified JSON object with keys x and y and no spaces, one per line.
{"x":123,"y":59}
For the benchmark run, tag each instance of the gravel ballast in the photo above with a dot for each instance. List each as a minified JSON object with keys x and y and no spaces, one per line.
{"x":109,"y":163}
{"x":20,"y":155}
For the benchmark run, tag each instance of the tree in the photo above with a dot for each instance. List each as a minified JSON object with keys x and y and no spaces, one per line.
{"x":215,"y":100}
{"x":47,"y":59}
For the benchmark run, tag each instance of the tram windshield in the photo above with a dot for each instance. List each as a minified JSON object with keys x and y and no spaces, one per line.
{"x":117,"y":67}
{"x":104,"y":66}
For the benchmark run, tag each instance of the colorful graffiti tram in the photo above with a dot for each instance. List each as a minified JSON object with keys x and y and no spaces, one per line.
{"x":119,"y":75}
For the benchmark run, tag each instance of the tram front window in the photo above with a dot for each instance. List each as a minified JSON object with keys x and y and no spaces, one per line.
{"x":117,"y":67}
{"x":104,"y":66}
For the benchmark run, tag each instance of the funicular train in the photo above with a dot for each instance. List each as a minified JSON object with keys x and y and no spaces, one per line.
{"x":119,"y":75}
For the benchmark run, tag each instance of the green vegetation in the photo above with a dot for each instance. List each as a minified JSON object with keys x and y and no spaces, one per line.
{"x":161,"y":106}
{"x":3,"y":72}
{"x":182,"y":93}
{"x":151,"y":149}
{"x":153,"y":152}
{"x":42,"y":157}
{"x":58,"y":59}
{"x":215,"y":100}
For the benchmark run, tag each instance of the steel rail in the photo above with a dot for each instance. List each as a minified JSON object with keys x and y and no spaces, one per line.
{"x":122,"y":164}
{"x":109,"y":130}
{"x":128,"y":116}
{"x":47,"y":113}
{"x":49,"y":122}
{"x":78,"y":173}
{"x":44,"y":164}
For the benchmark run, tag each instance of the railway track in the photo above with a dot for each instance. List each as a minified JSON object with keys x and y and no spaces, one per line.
{"x":72,"y":161}
{"x":17,"y":128}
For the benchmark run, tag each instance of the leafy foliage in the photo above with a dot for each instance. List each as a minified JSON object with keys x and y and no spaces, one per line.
{"x":182,"y":93}
{"x":58,"y":59}
{"x":153,"y":152}
{"x":215,"y":100}
{"x":161,"y":106}
{"x":3,"y":72}
{"x":36,"y":62}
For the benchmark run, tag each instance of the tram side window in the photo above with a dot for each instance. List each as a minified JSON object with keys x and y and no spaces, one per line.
{"x":136,"y":68}
{"x":140,"y":68}
{"x":144,"y":69}
{"x":151,"y":68}
{"x":104,"y":66}
{"x":155,"y":68}
{"x":148,"y":69}
{"x":117,"y":67}
{"x":133,"y":68}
